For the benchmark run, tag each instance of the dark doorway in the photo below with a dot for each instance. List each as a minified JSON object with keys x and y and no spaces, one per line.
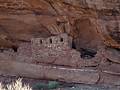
{"x":73,"y":45}
{"x":61,"y":39}
{"x":41,"y":41}
{"x":51,"y":41}
{"x":15,"y":48}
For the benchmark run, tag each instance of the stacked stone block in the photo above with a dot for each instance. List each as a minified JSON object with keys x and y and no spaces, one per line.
{"x":55,"y":50}
{"x":7,"y":55}
{"x":24,"y":53}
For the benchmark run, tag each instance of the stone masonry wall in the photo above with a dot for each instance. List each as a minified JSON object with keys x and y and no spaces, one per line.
{"x":42,"y":47}
{"x":24,"y":53}
{"x":55,"y":50}
{"x":7,"y":55}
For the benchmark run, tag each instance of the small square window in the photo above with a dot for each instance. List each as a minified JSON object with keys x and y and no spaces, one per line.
{"x":61,"y":39}
{"x":50,"y":40}
{"x":41,"y":41}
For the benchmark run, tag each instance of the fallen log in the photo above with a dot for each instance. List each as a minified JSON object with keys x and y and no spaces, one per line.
{"x":68,"y":75}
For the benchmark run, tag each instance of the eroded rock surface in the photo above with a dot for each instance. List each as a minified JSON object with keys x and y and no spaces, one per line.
{"x":92,"y":25}
{"x":49,"y":72}
{"x":23,"y":19}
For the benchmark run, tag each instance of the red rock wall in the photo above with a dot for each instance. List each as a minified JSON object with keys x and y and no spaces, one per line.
{"x":23,"y":19}
{"x":91,"y":24}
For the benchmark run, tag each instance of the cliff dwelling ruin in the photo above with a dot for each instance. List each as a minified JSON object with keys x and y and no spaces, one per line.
{"x":56,"y":50}
{"x":74,"y":41}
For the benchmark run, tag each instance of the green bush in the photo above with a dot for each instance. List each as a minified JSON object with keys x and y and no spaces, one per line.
{"x":50,"y":85}
{"x":53,"y":85}
{"x":40,"y":86}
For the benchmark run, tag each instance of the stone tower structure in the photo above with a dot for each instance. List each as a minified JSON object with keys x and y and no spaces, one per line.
{"x":49,"y":47}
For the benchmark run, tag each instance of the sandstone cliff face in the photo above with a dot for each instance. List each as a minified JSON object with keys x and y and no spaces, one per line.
{"x":91,"y":23}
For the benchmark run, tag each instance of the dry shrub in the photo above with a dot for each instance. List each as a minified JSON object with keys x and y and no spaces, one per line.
{"x":17,"y":85}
